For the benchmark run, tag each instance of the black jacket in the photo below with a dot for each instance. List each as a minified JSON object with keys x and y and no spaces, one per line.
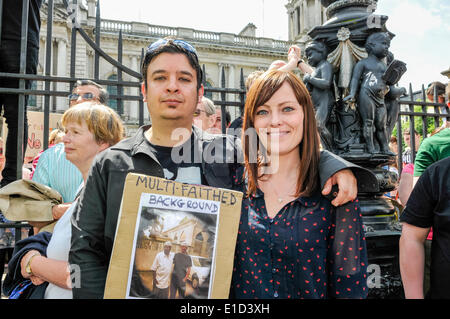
{"x":94,"y":220}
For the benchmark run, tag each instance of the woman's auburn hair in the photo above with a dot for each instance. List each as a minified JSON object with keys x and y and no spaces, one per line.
{"x":262,"y":89}
{"x":102,"y":121}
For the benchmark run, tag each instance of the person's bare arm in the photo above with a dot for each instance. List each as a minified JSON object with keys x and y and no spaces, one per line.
{"x":294,"y":55}
{"x":54,"y":271}
{"x":405,"y":187}
{"x":412,"y":260}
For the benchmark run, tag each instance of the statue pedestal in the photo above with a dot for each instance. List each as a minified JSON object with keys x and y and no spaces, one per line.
{"x":345,"y":34}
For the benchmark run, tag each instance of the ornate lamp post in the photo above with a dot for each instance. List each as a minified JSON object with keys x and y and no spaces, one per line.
{"x":359,"y":118}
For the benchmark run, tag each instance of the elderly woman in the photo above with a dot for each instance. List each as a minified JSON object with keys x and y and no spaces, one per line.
{"x":292,"y":242}
{"x":90,"y":128}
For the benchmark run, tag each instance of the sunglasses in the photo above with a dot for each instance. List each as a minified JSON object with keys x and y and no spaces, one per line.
{"x":155,"y":45}
{"x":85,"y":96}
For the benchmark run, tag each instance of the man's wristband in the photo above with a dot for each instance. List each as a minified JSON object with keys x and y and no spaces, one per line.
{"x":300,"y":61}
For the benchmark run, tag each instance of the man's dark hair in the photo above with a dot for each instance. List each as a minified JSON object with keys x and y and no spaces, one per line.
{"x":171,"y":47}
{"x":103,"y":96}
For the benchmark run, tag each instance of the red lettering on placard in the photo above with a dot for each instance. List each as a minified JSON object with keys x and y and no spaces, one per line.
{"x":34,"y":142}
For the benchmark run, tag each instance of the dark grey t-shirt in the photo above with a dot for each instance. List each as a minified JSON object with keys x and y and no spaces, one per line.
{"x":177,"y":166}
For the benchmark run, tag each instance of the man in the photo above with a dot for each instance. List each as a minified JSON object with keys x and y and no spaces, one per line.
{"x":204,"y":114}
{"x":407,"y":156}
{"x":86,"y":90}
{"x":171,"y":87}
{"x":161,"y":268}
{"x":428,"y":206}
{"x":433,"y":149}
{"x":53,"y":169}
{"x":440,"y":92}
{"x":182,"y":264}
{"x":11,"y":27}
{"x":217,"y":126}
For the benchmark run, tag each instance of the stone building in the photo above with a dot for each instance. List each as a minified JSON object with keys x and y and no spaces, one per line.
{"x":217,"y":51}
{"x":303,"y":15}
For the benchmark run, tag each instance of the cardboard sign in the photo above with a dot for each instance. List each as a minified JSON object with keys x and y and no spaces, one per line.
{"x":198,"y":223}
{"x":35,"y":132}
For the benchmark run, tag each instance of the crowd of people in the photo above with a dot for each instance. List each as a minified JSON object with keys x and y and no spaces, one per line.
{"x":294,"y":241}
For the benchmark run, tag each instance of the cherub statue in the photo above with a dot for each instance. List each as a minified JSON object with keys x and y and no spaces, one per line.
{"x":391,"y":99}
{"x":368,"y":78}
{"x":320,"y":84}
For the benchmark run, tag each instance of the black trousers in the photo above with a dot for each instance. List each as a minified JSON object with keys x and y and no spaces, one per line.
{"x":9,"y":103}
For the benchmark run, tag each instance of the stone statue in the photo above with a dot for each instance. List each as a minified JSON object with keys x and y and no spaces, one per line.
{"x":391,"y":99}
{"x":367,"y":77}
{"x":320,"y":85}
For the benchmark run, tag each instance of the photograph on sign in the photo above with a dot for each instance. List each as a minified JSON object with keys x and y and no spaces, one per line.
{"x":173,"y":240}
{"x":173,"y":247}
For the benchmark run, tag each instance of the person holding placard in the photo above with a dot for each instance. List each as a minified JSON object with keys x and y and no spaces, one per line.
{"x":172,"y":148}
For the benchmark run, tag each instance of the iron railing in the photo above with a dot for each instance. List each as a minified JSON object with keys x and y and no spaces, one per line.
{"x":48,"y":80}
{"x":229,"y":99}
{"x":439,"y":112}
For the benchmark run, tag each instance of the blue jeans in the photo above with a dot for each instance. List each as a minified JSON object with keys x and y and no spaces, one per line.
{"x":10,"y":62}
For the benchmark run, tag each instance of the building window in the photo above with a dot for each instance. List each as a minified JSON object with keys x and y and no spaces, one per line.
{"x":112,"y":90}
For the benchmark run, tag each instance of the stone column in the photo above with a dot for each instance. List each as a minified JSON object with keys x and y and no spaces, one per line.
{"x":231,"y":76}
{"x":317,"y":13}
{"x":295,"y":23}
{"x":304,"y":15}
{"x":61,"y":70}
{"x":219,"y":80}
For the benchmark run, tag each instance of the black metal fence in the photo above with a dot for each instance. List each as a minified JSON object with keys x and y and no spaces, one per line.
{"x":48,"y":80}
{"x":438,"y":112}
{"x":229,"y":97}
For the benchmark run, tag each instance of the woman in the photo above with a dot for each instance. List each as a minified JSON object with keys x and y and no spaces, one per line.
{"x":292,"y":243}
{"x":90,"y":128}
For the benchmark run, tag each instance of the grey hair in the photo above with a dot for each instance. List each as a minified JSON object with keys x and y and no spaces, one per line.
{"x":209,"y":106}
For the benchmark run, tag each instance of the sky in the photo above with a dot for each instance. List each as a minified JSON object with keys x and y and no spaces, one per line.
{"x":422,"y":28}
